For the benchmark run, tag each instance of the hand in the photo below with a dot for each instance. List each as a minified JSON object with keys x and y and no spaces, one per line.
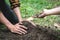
{"x":25,"y":20}
{"x":19,"y":29}
{"x":42,"y":14}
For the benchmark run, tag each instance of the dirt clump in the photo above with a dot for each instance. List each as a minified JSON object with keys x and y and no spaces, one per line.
{"x":34,"y":33}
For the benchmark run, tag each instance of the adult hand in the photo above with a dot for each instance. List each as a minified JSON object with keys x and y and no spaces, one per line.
{"x":42,"y":14}
{"x":19,"y":29}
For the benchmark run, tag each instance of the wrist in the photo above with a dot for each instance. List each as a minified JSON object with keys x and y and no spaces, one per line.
{"x":47,"y":12}
{"x":20,"y":19}
{"x":8,"y":24}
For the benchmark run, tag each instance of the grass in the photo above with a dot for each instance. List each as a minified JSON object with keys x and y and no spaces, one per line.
{"x":30,"y":7}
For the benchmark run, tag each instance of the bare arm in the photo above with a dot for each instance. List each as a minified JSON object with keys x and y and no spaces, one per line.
{"x":13,"y":28}
{"x":47,"y":12}
{"x":17,"y":11}
{"x":15,"y":6}
{"x":54,"y":11}
{"x":4,"y":20}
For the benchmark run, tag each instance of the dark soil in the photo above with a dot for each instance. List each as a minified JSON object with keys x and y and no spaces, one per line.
{"x":34,"y":33}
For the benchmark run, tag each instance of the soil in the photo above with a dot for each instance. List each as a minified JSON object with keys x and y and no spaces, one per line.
{"x":34,"y":33}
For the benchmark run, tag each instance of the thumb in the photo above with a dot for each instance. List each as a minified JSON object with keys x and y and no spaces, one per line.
{"x":42,"y":14}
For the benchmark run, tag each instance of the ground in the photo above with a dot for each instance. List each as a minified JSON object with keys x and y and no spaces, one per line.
{"x":46,"y":30}
{"x":34,"y":33}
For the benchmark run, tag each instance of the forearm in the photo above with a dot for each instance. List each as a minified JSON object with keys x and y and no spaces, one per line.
{"x":54,"y":11}
{"x":4,"y":20}
{"x":17,"y":11}
{"x":15,"y":4}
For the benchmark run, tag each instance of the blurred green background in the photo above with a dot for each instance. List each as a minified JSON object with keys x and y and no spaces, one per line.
{"x":31,"y":7}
